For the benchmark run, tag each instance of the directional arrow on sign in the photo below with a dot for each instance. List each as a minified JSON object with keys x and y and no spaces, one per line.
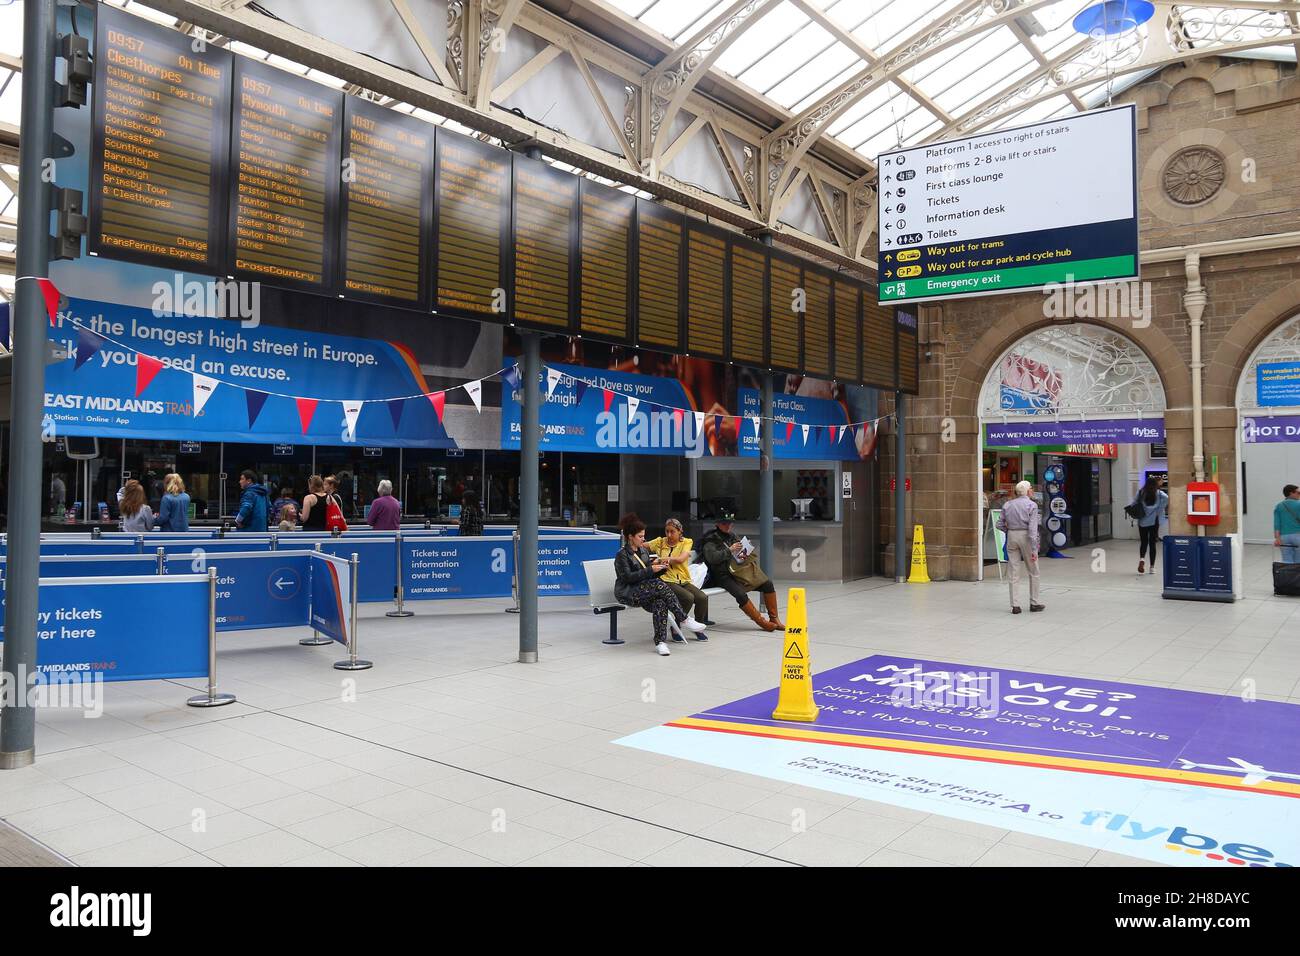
{"x":281,"y":583}
{"x":889,"y":258}
{"x":889,"y":273}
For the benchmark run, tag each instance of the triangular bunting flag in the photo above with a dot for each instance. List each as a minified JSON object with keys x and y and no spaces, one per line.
{"x":87,"y":345}
{"x":805,"y":434}
{"x":352,"y":412}
{"x":699,"y":423}
{"x":51,"y":296}
{"x":758,"y":425}
{"x":717,"y":424}
{"x":632,"y":404}
{"x":439,"y":400}
{"x":789,"y":430}
{"x":146,"y":367}
{"x":395,"y":410}
{"x":511,"y":377}
{"x":843,"y":429}
{"x":579,"y":389}
{"x":306,"y":409}
{"x":609,"y":398}
{"x":553,"y":376}
{"x":204,"y":388}
{"x":255,"y":400}
{"x":679,"y":417}
{"x":475,"y":391}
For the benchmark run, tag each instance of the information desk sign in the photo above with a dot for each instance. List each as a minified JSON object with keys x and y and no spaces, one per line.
{"x":158,"y":153}
{"x":1012,"y":209}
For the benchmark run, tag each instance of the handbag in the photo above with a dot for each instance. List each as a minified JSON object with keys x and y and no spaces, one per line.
{"x":334,"y":520}
{"x":749,"y":573}
{"x":1135,"y":511}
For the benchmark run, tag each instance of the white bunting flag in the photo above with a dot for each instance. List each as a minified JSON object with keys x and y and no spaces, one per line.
{"x":805,"y":433}
{"x":699,"y":423}
{"x":843,"y":429}
{"x":204,"y":388}
{"x":553,"y":376}
{"x":475,"y":391}
{"x":351,"y":412}
{"x":632,"y":405}
{"x":758,"y":425}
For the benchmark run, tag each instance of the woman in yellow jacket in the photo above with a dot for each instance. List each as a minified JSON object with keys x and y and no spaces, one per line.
{"x":675,"y":548}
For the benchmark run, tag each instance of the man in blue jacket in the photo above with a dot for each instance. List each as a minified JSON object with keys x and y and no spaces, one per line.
{"x":252,"y":514}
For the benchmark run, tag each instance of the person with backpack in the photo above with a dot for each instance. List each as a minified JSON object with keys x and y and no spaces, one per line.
{"x":1148,"y":507}
{"x":254,"y":504}
{"x":1286,"y":524}
{"x":335,"y":520}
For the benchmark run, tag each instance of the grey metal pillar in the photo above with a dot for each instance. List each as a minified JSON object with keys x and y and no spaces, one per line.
{"x":22,"y":587}
{"x":530,"y":401}
{"x":766,"y":544}
{"x":900,"y":488}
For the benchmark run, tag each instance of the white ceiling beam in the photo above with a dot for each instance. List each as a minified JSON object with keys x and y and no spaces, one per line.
{"x":828,"y":211}
{"x":601,"y":104}
{"x":737,"y":174}
{"x":511,"y":84}
{"x":492,"y":42}
{"x":436,"y":59}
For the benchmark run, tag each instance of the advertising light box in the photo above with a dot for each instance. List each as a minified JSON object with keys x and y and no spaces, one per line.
{"x":1011,"y":210}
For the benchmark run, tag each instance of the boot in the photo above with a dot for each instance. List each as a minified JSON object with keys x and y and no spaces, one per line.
{"x":751,"y":612}
{"x":770,"y":601}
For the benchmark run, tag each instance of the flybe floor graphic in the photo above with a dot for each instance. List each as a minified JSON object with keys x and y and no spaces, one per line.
{"x":1170,"y":776}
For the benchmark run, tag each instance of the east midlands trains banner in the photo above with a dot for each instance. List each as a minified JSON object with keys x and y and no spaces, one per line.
{"x":221,"y":380}
{"x":1171,"y":776}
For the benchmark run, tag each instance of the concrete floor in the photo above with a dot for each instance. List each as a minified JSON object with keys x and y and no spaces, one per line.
{"x":449,"y":752}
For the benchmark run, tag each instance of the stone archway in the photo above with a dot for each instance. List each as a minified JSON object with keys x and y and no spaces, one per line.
{"x":1224,"y":370}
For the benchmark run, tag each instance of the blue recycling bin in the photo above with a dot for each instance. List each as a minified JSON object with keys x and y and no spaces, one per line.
{"x":1198,"y":569}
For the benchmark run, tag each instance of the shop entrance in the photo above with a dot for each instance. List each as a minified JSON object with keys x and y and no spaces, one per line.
{"x":1268,"y":434}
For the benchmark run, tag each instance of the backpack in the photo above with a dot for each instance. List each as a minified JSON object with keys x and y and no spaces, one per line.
{"x":334,"y":520}
{"x":1135,"y":511}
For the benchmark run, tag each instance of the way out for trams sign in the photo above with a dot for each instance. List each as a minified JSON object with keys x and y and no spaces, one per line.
{"x":1011,"y":210}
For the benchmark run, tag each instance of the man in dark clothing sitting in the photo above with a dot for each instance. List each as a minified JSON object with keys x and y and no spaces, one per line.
{"x":720,"y":550}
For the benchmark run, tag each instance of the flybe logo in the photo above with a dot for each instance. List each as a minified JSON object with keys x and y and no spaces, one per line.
{"x":1182,"y":840}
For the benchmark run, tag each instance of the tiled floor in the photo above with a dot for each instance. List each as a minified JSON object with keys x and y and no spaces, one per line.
{"x":450,"y":753}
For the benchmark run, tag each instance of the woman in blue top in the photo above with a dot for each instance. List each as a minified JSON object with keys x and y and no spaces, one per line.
{"x":174,"y":509}
{"x":1154,"y":504}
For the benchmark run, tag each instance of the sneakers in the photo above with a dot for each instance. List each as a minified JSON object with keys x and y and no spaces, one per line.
{"x":1038,"y":607}
{"x":1142,"y":567}
{"x":676,"y":635}
{"x":693,"y":625}
{"x":1152,"y":569}
{"x":1015,"y":610}
{"x":662,"y":649}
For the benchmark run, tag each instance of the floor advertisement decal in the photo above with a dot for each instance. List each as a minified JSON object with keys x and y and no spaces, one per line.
{"x":1172,"y":776}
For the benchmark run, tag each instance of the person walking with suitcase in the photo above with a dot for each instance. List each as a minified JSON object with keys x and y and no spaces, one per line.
{"x":1286,"y":524}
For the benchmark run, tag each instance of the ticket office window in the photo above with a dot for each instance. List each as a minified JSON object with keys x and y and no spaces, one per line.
{"x":501,"y":482}
{"x":735,"y":488}
{"x":150,"y":462}
{"x":588,"y":480}
{"x":359,"y":471}
{"x":435,"y":480}
{"x":276,"y":466}
{"x":69,"y":484}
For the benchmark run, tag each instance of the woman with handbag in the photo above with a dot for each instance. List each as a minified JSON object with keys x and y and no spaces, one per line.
{"x":738,"y":573}
{"x":638,"y":584}
{"x":675,"y":548}
{"x":1148,"y":507}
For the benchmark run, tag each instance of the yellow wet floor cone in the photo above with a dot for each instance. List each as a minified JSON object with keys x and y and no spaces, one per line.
{"x":796,"y":697}
{"x":920,"y":570}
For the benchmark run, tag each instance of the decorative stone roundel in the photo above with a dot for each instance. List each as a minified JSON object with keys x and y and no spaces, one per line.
{"x":1193,"y":175}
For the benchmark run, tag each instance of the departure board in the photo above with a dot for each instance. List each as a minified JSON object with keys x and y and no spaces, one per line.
{"x":706,"y":275}
{"x":604,"y":253}
{"x":285,"y":150}
{"x":748,"y":306}
{"x":544,"y":220}
{"x":659,"y":276}
{"x":158,"y":156}
{"x":784,"y":328}
{"x":817,"y":323}
{"x":847,"y":349}
{"x":877,"y":343}
{"x":908,"y":358}
{"x":472,"y":223}
{"x":387,"y":204}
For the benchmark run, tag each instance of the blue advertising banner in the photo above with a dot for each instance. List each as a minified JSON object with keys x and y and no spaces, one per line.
{"x":83,"y":566}
{"x":223,"y":382}
{"x":1277,"y":383}
{"x":1280,"y":428}
{"x":825,"y":440}
{"x":262,"y":590}
{"x":376,"y":565}
{"x":331,"y":596}
{"x":457,"y":567}
{"x":1115,"y":431}
{"x":109,"y":627}
{"x":97,"y":548}
{"x":559,"y":561}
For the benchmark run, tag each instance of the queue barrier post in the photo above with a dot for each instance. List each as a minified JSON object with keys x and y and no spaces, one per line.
{"x":514,"y":578}
{"x":162,"y":560}
{"x":316,"y":640}
{"x":212,"y":698}
{"x":96,"y":534}
{"x":275,"y":542}
{"x":139,"y":544}
{"x":399,"y":591}
{"x":353,"y":663}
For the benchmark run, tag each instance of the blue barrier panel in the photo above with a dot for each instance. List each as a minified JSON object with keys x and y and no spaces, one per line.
{"x":256,"y":590}
{"x":331,"y":596}
{"x":456,"y":567}
{"x":377,"y":564}
{"x":198,"y":551}
{"x":110,"y":626}
{"x":90,"y":566}
{"x":86,"y":547}
{"x":559,"y":561}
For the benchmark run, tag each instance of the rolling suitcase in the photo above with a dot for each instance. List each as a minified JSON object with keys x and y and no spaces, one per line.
{"x":1286,"y":579}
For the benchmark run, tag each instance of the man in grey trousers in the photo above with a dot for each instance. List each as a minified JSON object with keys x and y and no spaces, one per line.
{"x":1020,"y":521}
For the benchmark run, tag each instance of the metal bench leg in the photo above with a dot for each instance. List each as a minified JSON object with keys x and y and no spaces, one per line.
{"x":613,"y":630}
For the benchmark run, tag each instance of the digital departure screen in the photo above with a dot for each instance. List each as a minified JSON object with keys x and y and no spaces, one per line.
{"x":158,"y":158}
{"x":847,"y":350}
{"x":817,"y":323}
{"x":784,"y":328}
{"x":659,"y":275}
{"x":387,"y":204}
{"x":748,"y":276}
{"x":545,"y":201}
{"x":604,"y":241}
{"x":877,"y":344}
{"x":472,"y":216}
{"x":285,"y":159}
{"x":706,"y":275}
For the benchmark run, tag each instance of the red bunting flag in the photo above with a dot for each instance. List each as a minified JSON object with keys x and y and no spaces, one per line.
{"x":306,"y":409}
{"x":439,"y":400}
{"x":50,"y":294}
{"x":789,"y":430}
{"x":609,"y":398}
{"x":146,"y":367}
